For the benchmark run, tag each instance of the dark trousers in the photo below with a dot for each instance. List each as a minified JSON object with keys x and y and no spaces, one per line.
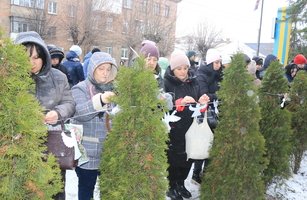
{"x":198,"y":165}
{"x":87,"y":181}
{"x":178,"y":169}
{"x":61,"y":195}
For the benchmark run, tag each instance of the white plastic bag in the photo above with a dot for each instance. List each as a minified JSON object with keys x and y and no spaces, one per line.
{"x":199,"y":139}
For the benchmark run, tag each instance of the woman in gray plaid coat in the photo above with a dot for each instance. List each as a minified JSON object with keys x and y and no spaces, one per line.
{"x":91,"y":95}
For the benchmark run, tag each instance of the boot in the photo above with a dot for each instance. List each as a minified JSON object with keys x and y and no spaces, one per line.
{"x":173,"y":194}
{"x":183,"y":191}
{"x":196,"y":178}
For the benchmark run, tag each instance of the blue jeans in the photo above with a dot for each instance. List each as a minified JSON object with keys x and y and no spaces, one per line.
{"x":87,"y":181}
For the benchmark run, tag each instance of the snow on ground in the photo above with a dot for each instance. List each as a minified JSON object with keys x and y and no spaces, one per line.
{"x":295,"y":188}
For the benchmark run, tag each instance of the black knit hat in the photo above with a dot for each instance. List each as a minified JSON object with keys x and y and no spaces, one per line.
{"x":258,"y":60}
{"x":191,"y":53}
{"x":56,"y":52}
{"x":95,"y":50}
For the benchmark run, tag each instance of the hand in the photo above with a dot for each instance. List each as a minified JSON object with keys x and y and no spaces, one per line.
{"x":204,"y":99}
{"x":187,"y":99}
{"x":51,"y":117}
{"x":106,"y":97}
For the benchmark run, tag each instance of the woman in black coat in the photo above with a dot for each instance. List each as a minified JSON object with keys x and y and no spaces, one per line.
{"x":185,"y":90}
{"x":209,"y":76}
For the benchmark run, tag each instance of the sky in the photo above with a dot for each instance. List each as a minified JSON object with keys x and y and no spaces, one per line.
{"x":236,"y":19}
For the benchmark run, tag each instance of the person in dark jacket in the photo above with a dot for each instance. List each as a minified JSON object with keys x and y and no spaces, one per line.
{"x":179,"y":82}
{"x":51,"y":86}
{"x":57,"y":56}
{"x":192,"y":58}
{"x":259,"y":63}
{"x":151,"y":53}
{"x":86,"y":60}
{"x":209,"y":77}
{"x":74,"y":66}
{"x":299,"y":63}
{"x":267,"y":61}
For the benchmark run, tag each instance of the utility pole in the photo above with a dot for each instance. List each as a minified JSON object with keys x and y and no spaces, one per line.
{"x":259,"y":33}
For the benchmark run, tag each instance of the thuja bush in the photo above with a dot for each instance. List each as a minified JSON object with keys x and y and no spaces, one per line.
{"x":237,"y":160}
{"x":25,"y":171}
{"x":298,"y":108}
{"x":134,"y":164}
{"x":275,"y":123}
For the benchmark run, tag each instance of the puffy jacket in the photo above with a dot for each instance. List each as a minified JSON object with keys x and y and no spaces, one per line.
{"x":74,"y":68}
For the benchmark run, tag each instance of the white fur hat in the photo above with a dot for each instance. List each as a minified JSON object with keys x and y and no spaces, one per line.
{"x":76,"y":49}
{"x":213,"y":55}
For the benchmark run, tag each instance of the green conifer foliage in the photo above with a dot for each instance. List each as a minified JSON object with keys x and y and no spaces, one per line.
{"x":238,"y":147}
{"x":275,"y":123}
{"x":298,"y":108}
{"x":134,"y":165}
{"x":24,"y":172}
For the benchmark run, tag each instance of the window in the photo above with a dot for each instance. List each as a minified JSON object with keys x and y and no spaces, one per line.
{"x":51,"y":33}
{"x":96,"y":22}
{"x":109,"y":50}
{"x":109,"y":25}
{"x":19,"y":25}
{"x":52,"y":7}
{"x":166,"y":11}
{"x":156,"y":8}
{"x":40,"y":4}
{"x":127,"y":4}
{"x":139,"y":26}
{"x":125,"y":27}
{"x":72,"y":10}
{"x":29,"y":3}
{"x":124,"y":54}
{"x":144,"y":5}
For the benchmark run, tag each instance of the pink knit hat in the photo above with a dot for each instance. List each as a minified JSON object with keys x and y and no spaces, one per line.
{"x":299,"y":59}
{"x":178,"y":58}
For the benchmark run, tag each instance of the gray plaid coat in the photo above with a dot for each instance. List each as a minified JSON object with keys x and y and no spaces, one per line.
{"x":94,"y":129}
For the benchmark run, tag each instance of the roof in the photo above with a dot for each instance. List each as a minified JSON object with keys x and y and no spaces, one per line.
{"x":231,"y":48}
{"x":264,"y":48}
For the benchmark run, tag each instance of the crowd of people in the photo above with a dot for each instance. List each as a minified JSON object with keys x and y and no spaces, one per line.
{"x":70,"y":88}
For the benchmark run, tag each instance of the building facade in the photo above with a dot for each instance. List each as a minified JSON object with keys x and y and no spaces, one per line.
{"x":114,"y":26}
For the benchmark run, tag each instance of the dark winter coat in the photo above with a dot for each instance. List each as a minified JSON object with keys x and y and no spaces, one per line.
{"x":86,"y":61}
{"x":193,"y":66}
{"x":51,"y":86}
{"x":267,"y":61}
{"x":209,"y":80}
{"x":179,"y":90}
{"x":74,"y":68}
{"x":289,"y":68}
{"x":62,"y":68}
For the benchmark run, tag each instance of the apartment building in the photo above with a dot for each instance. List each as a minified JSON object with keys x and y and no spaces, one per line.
{"x":114,"y":26}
